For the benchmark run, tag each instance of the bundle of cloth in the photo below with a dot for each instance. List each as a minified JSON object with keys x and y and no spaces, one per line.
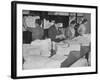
{"x":83,"y":40}
{"x":66,"y":48}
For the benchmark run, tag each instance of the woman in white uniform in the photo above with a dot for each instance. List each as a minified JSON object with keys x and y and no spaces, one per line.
{"x":82,"y":28}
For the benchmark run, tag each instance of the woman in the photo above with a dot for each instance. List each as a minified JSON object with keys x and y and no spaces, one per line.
{"x":55,"y":33}
{"x":82,"y":28}
{"x":70,"y":31}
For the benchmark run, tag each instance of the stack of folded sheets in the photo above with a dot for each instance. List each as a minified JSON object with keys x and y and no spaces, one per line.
{"x":36,"y":56}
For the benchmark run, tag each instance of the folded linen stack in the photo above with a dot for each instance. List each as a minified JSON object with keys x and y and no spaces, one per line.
{"x":28,"y":50}
{"x":37,"y":48}
{"x":44,"y":46}
{"x":65,"y":49}
{"x":62,"y":51}
{"x":59,"y":58}
{"x":83,"y":40}
{"x":35,"y":62}
{"x":74,"y":47}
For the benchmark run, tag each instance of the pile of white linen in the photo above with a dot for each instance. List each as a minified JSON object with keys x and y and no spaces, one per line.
{"x":65,"y":48}
{"x":36,"y":55}
{"x":44,"y":46}
{"x":84,"y":40}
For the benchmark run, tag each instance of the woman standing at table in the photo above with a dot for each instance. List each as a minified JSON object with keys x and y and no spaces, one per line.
{"x":82,"y":28}
{"x":70,"y":31}
{"x":55,"y":32}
